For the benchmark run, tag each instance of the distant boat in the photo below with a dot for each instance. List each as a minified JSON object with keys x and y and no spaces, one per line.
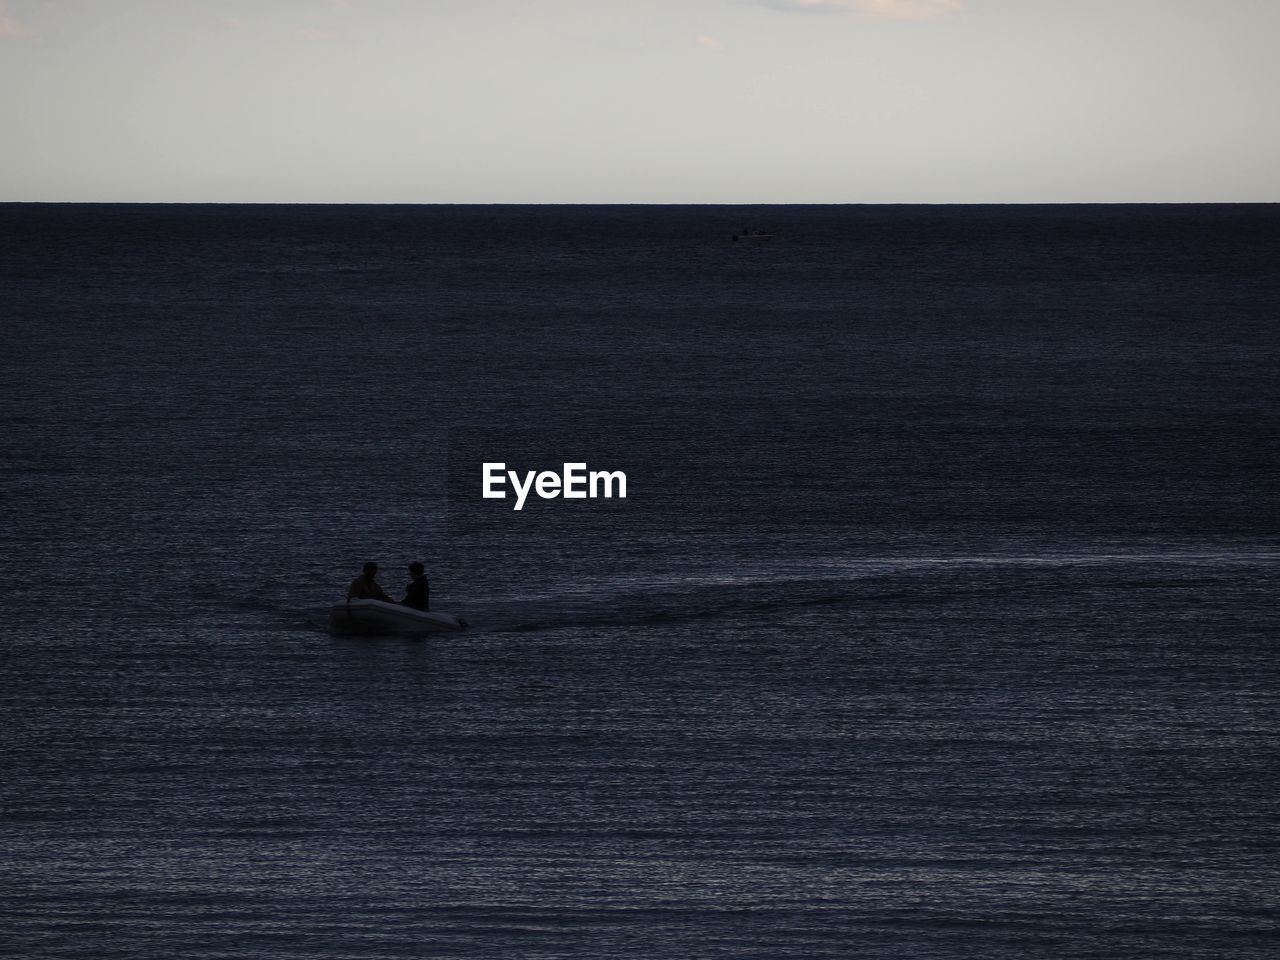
{"x":752,"y":235}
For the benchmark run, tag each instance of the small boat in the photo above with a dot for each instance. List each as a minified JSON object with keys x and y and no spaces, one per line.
{"x":372,"y":617}
{"x":753,"y":235}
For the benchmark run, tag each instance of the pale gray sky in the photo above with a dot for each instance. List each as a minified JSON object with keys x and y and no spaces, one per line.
{"x":681,"y":101}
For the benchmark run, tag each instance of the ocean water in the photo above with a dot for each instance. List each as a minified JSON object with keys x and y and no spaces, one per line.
{"x":939,"y":619}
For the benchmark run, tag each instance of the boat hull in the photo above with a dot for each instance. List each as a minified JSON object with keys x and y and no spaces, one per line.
{"x":372,"y":617}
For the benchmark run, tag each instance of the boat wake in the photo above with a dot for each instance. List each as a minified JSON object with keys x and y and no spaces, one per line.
{"x":767,"y":598}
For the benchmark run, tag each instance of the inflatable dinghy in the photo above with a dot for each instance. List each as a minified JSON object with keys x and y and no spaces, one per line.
{"x":365,"y":617}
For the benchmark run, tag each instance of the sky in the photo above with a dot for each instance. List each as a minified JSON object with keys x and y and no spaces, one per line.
{"x":640,"y":101}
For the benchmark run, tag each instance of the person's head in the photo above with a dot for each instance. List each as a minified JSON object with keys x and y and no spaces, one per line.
{"x":416,"y":569}
{"x":370,"y":570}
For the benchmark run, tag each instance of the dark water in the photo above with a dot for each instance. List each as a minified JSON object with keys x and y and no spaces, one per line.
{"x":939,"y":620}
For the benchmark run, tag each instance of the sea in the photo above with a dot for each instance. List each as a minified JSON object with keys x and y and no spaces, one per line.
{"x":939,"y":619}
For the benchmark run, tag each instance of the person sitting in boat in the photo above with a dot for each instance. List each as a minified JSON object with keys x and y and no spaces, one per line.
{"x":418,"y":593}
{"x":365,"y":586}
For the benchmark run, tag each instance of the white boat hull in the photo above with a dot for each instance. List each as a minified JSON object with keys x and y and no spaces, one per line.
{"x":378,"y":616}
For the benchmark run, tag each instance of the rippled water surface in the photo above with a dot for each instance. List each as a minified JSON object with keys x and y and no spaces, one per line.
{"x":939,"y":620}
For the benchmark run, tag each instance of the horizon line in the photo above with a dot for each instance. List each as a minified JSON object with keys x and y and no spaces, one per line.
{"x":645,"y":203}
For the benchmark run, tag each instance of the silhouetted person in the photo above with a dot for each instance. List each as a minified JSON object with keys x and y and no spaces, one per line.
{"x":418,"y":593}
{"x":365,"y":586}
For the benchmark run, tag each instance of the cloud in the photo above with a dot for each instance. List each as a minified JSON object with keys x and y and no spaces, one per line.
{"x":891,"y":9}
{"x":10,"y":29}
{"x":711,"y":43}
{"x":315,"y":34}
